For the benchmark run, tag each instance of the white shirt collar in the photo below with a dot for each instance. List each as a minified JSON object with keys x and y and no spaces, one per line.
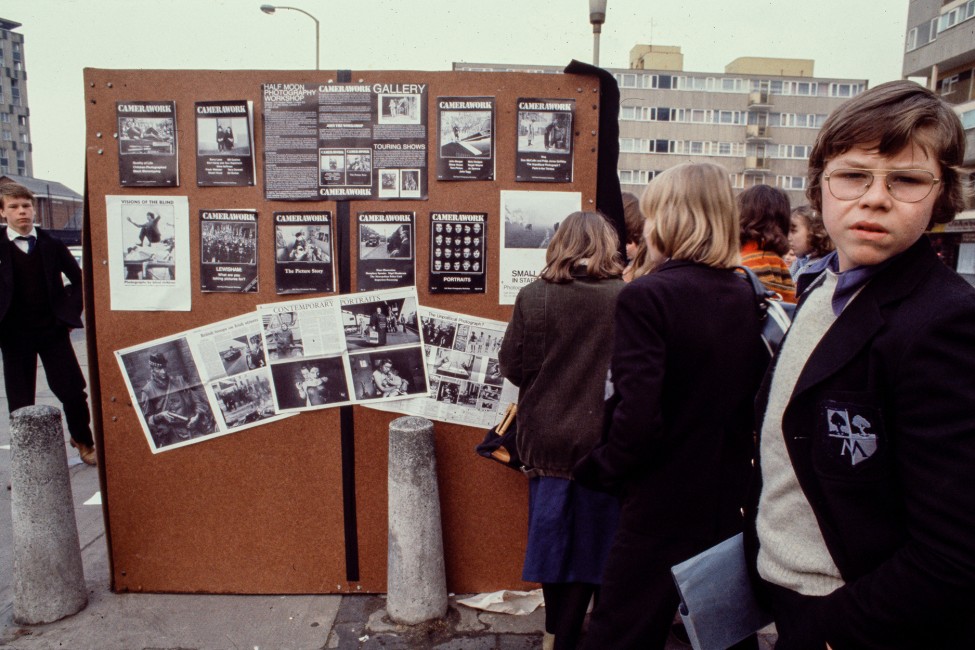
{"x":13,"y":234}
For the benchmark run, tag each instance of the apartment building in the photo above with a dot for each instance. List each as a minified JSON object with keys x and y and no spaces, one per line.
{"x":15,"y":143}
{"x":758,"y":119}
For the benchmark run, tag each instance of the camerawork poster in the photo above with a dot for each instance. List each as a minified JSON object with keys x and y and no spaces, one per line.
{"x":544,"y":140}
{"x":529,"y":222}
{"x":228,"y":251}
{"x":147,"y":150}
{"x":148,"y":252}
{"x":457,"y":252}
{"x":466,"y":149}
{"x":461,"y":353}
{"x":387,"y":250}
{"x":207,"y":382}
{"x":345,"y":141}
{"x":303,"y":252}
{"x":224,"y":143}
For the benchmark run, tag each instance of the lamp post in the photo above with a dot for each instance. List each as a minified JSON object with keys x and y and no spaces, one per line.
{"x":597,"y":16}
{"x":270,"y":9}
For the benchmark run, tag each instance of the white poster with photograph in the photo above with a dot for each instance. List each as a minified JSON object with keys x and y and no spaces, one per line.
{"x":200,"y":384}
{"x":149,"y":253}
{"x":530,"y":220}
{"x":461,"y":354}
{"x":306,"y":351}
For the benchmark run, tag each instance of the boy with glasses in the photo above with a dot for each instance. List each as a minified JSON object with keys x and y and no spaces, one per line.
{"x":864,"y":524}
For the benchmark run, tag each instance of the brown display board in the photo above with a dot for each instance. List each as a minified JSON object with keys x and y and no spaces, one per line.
{"x":264,"y":510}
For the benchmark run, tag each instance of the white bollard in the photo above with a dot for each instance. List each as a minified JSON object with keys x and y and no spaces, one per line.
{"x":49,"y":581}
{"x":416,"y":582}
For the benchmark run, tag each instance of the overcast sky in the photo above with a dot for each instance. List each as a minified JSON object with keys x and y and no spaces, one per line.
{"x":859,"y":39}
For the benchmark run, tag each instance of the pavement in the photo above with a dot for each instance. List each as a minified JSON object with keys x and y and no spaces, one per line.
{"x":127,"y":621}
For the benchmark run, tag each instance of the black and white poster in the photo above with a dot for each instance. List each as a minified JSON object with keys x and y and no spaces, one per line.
{"x":387,"y":250}
{"x":147,"y":144}
{"x":228,"y":251}
{"x":466,"y":147}
{"x":224,"y":143}
{"x":544,"y":140}
{"x":345,"y":141}
{"x":303,"y":252}
{"x":457,"y":252}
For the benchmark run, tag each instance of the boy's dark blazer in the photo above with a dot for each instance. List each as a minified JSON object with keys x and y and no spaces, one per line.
{"x":66,"y":302}
{"x":899,"y":523}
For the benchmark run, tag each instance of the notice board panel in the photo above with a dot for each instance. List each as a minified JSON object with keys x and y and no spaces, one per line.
{"x":267,"y":509}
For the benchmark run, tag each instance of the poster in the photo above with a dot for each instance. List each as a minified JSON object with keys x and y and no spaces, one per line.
{"x":458,"y":252}
{"x":305,"y":350}
{"x":383,"y":341}
{"x":197,"y":385}
{"x":148,"y":253}
{"x":466,"y":146}
{"x":303,"y":252}
{"x":387,"y":250}
{"x":147,"y":144}
{"x":461,"y":353}
{"x":345,"y":141}
{"x":228,"y":251}
{"x":544,"y":140}
{"x":529,"y":221}
{"x":224,"y":143}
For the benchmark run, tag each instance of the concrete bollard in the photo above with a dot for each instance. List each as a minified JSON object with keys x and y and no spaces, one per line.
{"x":49,"y":581}
{"x":416,"y":582}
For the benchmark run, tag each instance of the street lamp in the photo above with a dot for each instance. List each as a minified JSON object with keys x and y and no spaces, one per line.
{"x":597,"y":16}
{"x":270,"y":9}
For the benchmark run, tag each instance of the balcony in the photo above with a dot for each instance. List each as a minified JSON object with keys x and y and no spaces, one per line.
{"x":760,"y":100}
{"x":757,"y":132}
{"x":756,"y":164}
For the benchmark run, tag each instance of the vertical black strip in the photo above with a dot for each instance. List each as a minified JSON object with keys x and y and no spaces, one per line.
{"x":343,"y":220}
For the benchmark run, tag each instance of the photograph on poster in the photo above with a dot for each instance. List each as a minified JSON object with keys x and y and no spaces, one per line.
{"x":146,"y":135}
{"x":390,"y":373}
{"x":229,"y":242}
{"x":399,"y":109}
{"x":545,"y":131}
{"x":410,"y":183}
{"x":149,"y":240}
{"x":283,"y":335}
{"x":244,"y":399}
{"x":465,"y":134}
{"x":223,"y":136}
{"x":453,"y":364}
{"x":388,"y":182}
{"x":167,"y":385}
{"x":310,"y":383}
{"x":381,"y":241}
{"x":531,"y":218}
{"x":380,"y":323}
{"x":306,"y":243}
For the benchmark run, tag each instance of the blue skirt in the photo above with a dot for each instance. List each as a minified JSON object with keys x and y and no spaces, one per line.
{"x":570,"y":531}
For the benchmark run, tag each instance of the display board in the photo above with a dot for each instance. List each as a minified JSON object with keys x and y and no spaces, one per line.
{"x":298,"y":505}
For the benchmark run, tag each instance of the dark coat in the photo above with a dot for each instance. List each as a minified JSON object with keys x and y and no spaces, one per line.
{"x":66,"y":303}
{"x":899,"y":523}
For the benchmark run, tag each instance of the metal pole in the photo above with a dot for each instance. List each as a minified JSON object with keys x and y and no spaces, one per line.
{"x":595,"y":45}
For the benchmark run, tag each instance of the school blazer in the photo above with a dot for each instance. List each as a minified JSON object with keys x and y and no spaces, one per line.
{"x":881,"y":432}
{"x":66,"y":303}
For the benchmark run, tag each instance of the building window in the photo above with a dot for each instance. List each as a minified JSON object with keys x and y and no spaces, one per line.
{"x":5,"y":118}
{"x":627,"y":80}
{"x":911,"y":40}
{"x":7,"y":136}
{"x":798,"y":151}
{"x":791,"y":182}
{"x":21,"y":120}
{"x":948,"y":84}
{"x":24,"y":138}
{"x":957,"y":15}
{"x":629,"y":113}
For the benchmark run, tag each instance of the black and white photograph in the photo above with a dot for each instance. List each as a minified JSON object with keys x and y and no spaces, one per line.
{"x":172,"y":402}
{"x":438,"y":332}
{"x":380,"y":323}
{"x":389,"y":183}
{"x":310,"y":384}
{"x":544,"y":152}
{"x":528,"y":223}
{"x":399,"y":109}
{"x":224,"y":143}
{"x":228,"y":251}
{"x":244,"y":399}
{"x":391,"y":374}
{"x":387,"y":250}
{"x":148,"y":155}
{"x":149,"y":240}
{"x":303,"y":252}
{"x":458,"y":251}
{"x":453,"y":363}
{"x":359,"y":168}
{"x":282,"y":332}
{"x":409,"y":183}
{"x":478,"y":340}
{"x":466,"y":145}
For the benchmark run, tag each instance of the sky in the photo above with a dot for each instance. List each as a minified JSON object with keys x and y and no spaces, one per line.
{"x":857,"y":39}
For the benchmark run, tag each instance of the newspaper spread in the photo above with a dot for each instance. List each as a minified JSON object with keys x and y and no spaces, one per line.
{"x":458,"y":247}
{"x":148,"y":253}
{"x":461,"y":354}
{"x":529,"y":221}
{"x":544,"y":140}
{"x":225,"y":143}
{"x":345,"y":141}
{"x":194,"y":386}
{"x":147,"y":144}
{"x":228,"y":251}
{"x":466,"y":151}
